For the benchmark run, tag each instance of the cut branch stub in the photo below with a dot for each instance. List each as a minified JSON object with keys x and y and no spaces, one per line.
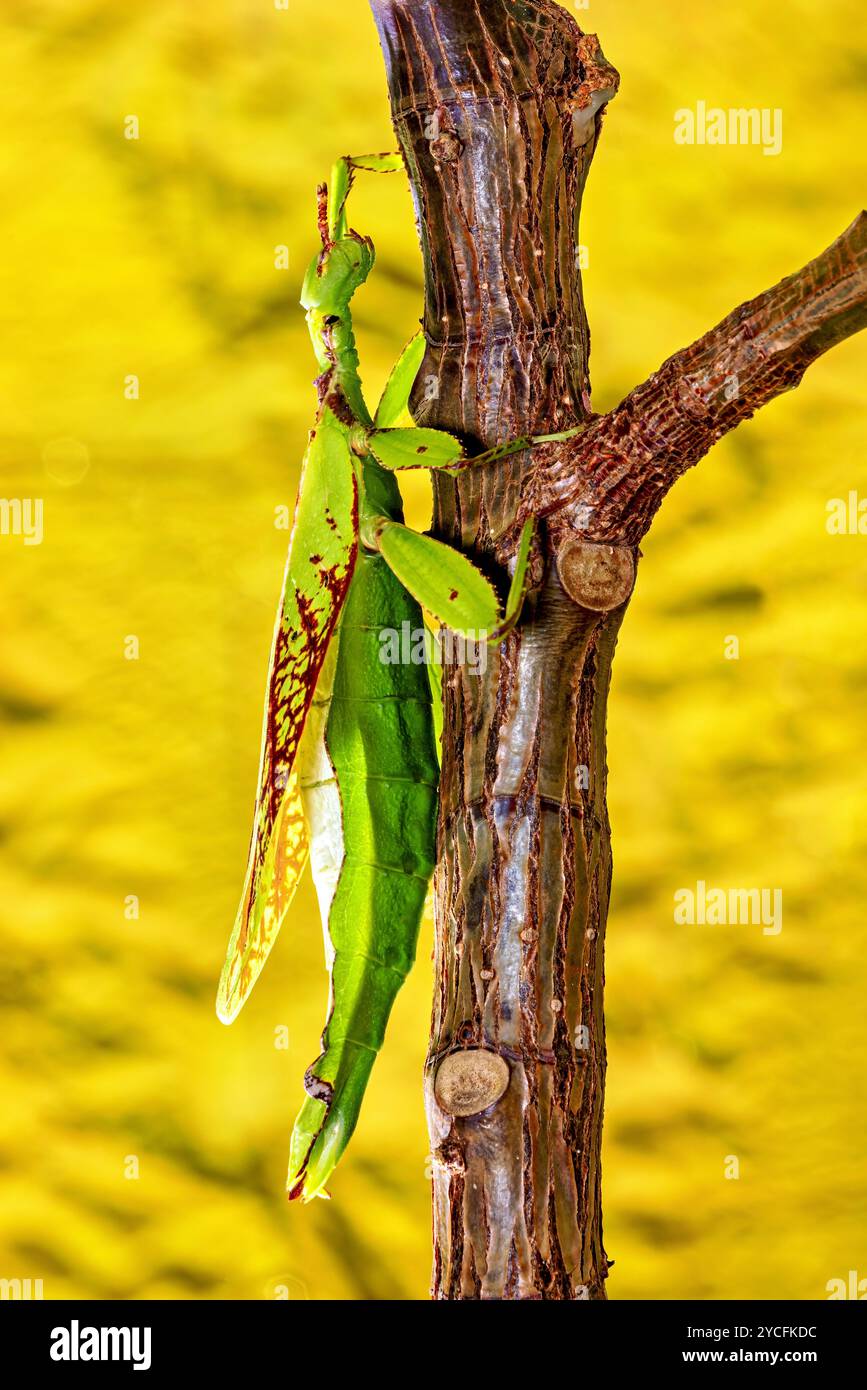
{"x":600,"y":85}
{"x":469,"y":1082}
{"x":597,"y":577}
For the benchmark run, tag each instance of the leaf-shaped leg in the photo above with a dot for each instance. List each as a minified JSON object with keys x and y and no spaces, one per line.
{"x":440,"y":578}
{"x":393,"y":408}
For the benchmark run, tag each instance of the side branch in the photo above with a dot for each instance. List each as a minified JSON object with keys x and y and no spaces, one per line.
{"x":610,"y":481}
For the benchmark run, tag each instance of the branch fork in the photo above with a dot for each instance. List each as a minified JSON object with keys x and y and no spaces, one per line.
{"x":617,"y":472}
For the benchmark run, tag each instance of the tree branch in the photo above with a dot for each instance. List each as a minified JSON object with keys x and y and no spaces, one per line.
{"x":609,"y":482}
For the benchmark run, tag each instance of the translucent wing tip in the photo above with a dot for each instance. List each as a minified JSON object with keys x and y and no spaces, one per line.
{"x":265,"y":904}
{"x":230,"y":998}
{"x":227,"y":1010}
{"x":231,"y":993}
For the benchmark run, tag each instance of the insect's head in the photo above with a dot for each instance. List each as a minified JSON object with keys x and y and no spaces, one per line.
{"x":336,"y":273}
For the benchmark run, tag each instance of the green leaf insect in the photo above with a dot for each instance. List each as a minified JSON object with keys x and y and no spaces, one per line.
{"x":349,"y":766}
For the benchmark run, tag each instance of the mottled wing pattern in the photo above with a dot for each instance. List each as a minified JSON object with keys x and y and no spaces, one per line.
{"x":321,"y":561}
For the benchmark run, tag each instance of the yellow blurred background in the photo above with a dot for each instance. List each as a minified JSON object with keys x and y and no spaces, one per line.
{"x":142,"y":1145}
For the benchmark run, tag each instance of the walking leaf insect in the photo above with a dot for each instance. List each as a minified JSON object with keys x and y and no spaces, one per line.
{"x":349,"y":768}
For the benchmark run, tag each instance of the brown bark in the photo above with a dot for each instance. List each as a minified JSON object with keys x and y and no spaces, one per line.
{"x":621,"y":468}
{"x":497,"y":105}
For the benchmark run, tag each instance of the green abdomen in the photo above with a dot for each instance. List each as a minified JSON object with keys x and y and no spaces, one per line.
{"x":380,"y":741}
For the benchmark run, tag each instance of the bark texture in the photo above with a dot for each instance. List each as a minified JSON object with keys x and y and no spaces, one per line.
{"x":498,"y":106}
{"x":496,"y":109}
{"x":621,"y":468}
